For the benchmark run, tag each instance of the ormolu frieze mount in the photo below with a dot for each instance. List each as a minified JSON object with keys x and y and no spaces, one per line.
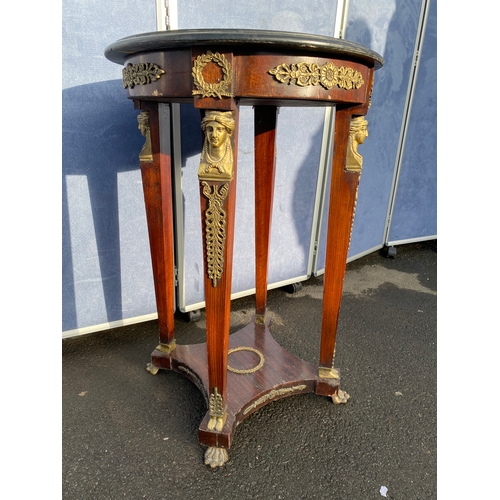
{"x":309,"y":74}
{"x":140,"y":74}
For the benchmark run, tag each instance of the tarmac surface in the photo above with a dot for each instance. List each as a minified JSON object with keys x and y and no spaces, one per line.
{"x":129,"y":434}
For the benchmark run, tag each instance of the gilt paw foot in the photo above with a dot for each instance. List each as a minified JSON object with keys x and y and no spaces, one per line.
{"x":152,"y":369}
{"x":216,"y":423}
{"x":341,"y":397}
{"x":216,"y":457}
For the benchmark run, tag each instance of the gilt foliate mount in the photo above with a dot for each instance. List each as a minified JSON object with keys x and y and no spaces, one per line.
{"x":215,"y":228}
{"x":140,"y":74}
{"x":310,"y":74}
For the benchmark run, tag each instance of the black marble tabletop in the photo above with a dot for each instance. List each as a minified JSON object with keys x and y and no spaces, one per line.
{"x":257,"y":39}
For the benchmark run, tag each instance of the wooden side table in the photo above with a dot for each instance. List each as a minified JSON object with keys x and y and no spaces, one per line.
{"x":218,"y":71}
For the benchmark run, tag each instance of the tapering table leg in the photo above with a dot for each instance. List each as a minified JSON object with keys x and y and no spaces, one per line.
{"x":343,"y":194}
{"x":265,"y":120}
{"x":157,"y":186}
{"x":217,"y":176}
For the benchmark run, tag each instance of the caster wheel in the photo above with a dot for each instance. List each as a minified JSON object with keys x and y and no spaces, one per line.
{"x":390,"y":252}
{"x":293,"y":288}
{"x":193,"y":316}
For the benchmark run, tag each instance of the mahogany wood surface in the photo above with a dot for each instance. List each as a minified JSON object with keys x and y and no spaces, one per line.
{"x":157,"y":187}
{"x":343,"y":187}
{"x":265,"y":119}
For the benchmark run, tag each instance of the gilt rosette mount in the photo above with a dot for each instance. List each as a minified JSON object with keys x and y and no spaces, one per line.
{"x":310,"y":74}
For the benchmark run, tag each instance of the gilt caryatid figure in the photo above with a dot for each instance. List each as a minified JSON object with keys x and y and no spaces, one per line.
{"x":146,"y":153}
{"x":216,"y":162}
{"x":358,"y":132}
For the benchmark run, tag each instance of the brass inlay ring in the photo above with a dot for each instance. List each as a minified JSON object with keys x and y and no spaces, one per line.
{"x":250,"y":370}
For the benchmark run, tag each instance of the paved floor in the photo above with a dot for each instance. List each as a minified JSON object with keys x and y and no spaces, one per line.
{"x":128,"y":434}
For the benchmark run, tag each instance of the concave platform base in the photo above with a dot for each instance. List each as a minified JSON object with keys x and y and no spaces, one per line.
{"x":280,"y":375}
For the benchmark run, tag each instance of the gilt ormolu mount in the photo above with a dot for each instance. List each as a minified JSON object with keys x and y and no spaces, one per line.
{"x":219,"y":71}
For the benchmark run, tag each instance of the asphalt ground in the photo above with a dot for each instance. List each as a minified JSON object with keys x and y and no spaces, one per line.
{"x":129,"y":434}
